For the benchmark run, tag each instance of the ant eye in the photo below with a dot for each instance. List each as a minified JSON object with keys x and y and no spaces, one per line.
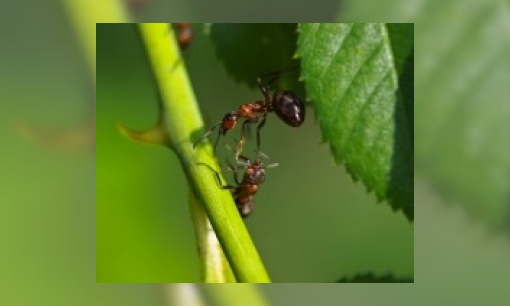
{"x":231,"y":116}
{"x":289,"y":108}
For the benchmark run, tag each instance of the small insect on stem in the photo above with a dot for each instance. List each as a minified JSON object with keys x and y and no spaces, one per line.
{"x":184,"y":35}
{"x":245,"y":189}
{"x":287,"y":106}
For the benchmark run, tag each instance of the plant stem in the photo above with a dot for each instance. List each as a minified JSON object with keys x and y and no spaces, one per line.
{"x":249,"y":294}
{"x":214,"y":265}
{"x":84,"y":17}
{"x":181,"y":123}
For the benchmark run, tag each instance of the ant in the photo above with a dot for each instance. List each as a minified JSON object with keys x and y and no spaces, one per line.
{"x":184,"y":35}
{"x":254,"y":175}
{"x":287,"y":106}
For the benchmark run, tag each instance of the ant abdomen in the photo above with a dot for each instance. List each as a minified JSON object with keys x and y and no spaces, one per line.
{"x":245,"y":206}
{"x":289,"y":108}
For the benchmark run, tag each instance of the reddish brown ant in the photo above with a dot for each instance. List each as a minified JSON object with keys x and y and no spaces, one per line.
{"x":287,"y":106}
{"x":184,"y":34}
{"x":254,"y":175}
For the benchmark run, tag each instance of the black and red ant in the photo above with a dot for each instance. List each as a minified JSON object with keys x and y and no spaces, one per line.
{"x":254,"y":175}
{"x":287,"y":106}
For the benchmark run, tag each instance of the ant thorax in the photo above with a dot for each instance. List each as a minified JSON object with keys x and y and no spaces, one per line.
{"x":250,"y":111}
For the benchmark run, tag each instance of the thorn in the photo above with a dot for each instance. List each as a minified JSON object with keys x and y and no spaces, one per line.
{"x":156,"y":135}
{"x":79,"y":137}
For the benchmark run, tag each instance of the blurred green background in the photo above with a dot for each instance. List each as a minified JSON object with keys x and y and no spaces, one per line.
{"x":47,"y":198}
{"x":312,"y":222}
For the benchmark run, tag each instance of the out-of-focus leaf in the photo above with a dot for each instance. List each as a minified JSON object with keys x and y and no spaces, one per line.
{"x":462,"y":78}
{"x":371,"y":278}
{"x":252,"y":49}
{"x":359,"y":78}
{"x":381,"y":11}
{"x":463,"y":112}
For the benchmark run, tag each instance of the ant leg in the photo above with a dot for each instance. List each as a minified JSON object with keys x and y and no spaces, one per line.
{"x":217,"y":177}
{"x":206,"y":134}
{"x":235,"y":170}
{"x":229,"y":187}
{"x":264,"y":87}
{"x":276,"y":74}
{"x":217,"y":140}
{"x":236,"y":178}
{"x":245,"y":160}
{"x":260,"y":126}
{"x":176,"y":64}
{"x":265,"y":90}
{"x":241,"y":142}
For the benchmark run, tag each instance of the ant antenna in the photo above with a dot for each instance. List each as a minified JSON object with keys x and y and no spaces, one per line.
{"x":276,"y":74}
{"x":262,"y":154}
{"x":207,"y":134}
{"x":272,"y":165}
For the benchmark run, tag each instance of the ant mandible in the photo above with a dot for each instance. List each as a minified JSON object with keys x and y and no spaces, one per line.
{"x":287,"y":106}
{"x":254,"y":175}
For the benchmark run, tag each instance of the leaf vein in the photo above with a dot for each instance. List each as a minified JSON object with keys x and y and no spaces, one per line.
{"x":332,"y":58}
{"x":358,"y":74}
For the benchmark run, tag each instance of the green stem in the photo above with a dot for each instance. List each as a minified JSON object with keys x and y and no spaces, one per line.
{"x":183,"y":295}
{"x":181,"y":122}
{"x":84,"y":17}
{"x":249,"y":294}
{"x":214,"y":265}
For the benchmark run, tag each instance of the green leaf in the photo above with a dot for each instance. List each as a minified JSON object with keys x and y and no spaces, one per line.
{"x":252,"y":49}
{"x":371,"y":278}
{"x":462,"y":129}
{"x":462,"y":79}
{"x":359,"y":78}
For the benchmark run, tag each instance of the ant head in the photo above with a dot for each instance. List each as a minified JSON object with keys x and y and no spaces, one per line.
{"x":255,"y":172}
{"x":255,"y":169}
{"x":289,"y":107}
{"x":229,"y":121}
{"x":231,"y":116}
